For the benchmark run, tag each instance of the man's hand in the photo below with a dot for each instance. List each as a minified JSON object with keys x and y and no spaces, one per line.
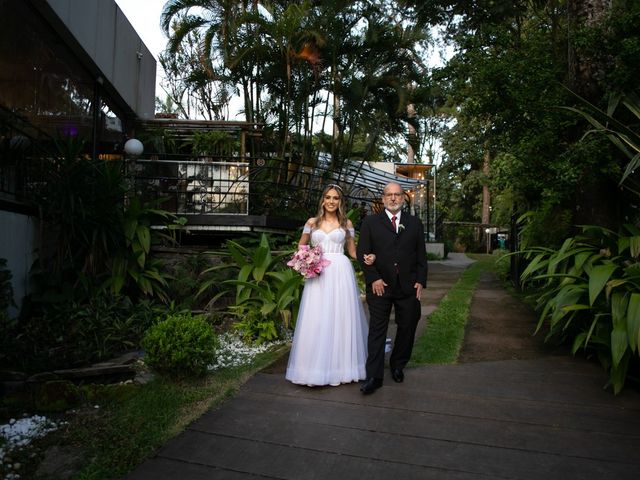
{"x":378,"y":287}
{"x":369,"y":258}
{"x":418,"y":288}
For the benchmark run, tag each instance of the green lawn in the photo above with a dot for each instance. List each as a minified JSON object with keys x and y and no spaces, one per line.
{"x":133,"y":421}
{"x":443,"y":337}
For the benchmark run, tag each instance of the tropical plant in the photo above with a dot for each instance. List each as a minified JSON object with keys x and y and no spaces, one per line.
{"x":271,"y":308}
{"x":214,"y":143}
{"x":591,"y":285}
{"x":621,"y":135}
{"x":80,"y":208}
{"x":132,"y":267}
{"x":589,"y":293}
{"x":267,"y":294}
{"x":193,"y":88}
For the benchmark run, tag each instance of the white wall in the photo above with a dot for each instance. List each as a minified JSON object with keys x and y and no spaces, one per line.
{"x":18,"y":234}
{"x":105,"y":34}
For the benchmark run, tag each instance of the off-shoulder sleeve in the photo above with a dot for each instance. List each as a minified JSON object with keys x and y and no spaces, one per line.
{"x":352,"y":232}
{"x":306,"y":229}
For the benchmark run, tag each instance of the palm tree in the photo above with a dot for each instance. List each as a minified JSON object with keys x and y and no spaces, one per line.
{"x":211,"y":25}
{"x":291,"y":57}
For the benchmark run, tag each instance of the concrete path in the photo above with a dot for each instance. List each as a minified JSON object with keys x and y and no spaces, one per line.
{"x":544,"y":415}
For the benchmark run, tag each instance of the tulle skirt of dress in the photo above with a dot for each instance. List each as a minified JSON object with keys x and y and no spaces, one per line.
{"x":330,"y":338}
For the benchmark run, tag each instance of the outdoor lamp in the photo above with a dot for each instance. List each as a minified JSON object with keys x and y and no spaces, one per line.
{"x":133,"y":147}
{"x":488,"y":232}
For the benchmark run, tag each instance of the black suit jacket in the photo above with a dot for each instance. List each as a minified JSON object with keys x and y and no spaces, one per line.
{"x":403,"y":252}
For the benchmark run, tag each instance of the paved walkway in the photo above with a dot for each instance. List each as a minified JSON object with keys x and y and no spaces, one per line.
{"x":536,"y":414}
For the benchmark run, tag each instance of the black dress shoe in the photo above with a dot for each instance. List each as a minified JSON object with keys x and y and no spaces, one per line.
{"x":370,"y":385}
{"x":397,"y":375}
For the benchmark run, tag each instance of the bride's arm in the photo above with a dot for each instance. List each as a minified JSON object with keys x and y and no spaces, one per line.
{"x":350,"y":244}
{"x":306,"y":232}
{"x":369,"y":258}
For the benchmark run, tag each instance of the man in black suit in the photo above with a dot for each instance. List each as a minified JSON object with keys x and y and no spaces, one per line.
{"x":396,"y":279}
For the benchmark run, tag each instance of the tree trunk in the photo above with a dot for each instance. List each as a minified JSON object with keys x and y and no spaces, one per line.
{"x":596,"y":198}
{"x":486,"y":197}
{"x":584,"y":71}
{"x":411,"y":154}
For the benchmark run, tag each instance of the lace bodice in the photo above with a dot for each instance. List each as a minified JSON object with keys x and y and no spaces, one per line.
{"x":331,"y":242}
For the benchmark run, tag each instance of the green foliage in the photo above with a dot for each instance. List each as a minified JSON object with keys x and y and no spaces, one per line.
{"x":548,"y":225}
{"x":433,"y":256}
{"x":6,"y":289}
{"x":254,"y":327}
{"x":81,"y":211}
{"x":270,"y":308}
{"x":267,"y":293}
{"x":186,"y":277}
{"x":588,"y":293}
{"x":132,"y":268}
{"x":214,"y":143}
{"x":538,"y":162}
{"x":181,"y":345}
{"x":624,"y":137}
{"x":284,"y":56}
{"x":92,"y":236}
{"x":591,"y":284}
{"x":71,"y":333}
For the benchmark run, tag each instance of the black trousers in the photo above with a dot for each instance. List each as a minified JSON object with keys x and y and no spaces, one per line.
{"x":407,"y":314}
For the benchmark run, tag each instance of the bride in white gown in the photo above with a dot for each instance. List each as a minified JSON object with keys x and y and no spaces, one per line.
{"x":330,"y":339}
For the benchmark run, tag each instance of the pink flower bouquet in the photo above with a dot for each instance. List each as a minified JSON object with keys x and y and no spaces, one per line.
{"x":308,"y":261}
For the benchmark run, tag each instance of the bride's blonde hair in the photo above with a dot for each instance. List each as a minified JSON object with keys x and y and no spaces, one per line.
{"x":341,"y":212}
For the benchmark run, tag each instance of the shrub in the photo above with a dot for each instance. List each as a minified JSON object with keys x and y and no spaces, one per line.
{"x":57,"y":333}
{"x":181,"y":344}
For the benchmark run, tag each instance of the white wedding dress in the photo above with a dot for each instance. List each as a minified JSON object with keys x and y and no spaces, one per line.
{"x":330,"y":339}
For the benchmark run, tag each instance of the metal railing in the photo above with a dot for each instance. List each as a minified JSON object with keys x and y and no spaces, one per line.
{"x":187,"y":185}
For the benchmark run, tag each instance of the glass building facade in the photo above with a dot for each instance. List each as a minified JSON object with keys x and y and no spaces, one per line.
{"x":46,"y":93}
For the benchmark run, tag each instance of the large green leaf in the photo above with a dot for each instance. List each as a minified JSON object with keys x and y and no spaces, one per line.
{"x":267,"y":309}
{"x":238,"y":253}
{"x":633,"y":322}
{"x":245,"y":271}
{"x":262,"y":258}
{"x":619,"y":341}
{"x":618,"y":345}
{"x":130,"y":227}
{"x":144,"y":237}
{"x":632,"y":229}
{"x":581,"y":258}
{"x":157,"y":276}
{"x":566,"y":297}
{"x":598,"y":278}
{"x":537,"y":263}
{"x":261,"y":262}
{"x":634,"y":246}
{"x":618,"y":374}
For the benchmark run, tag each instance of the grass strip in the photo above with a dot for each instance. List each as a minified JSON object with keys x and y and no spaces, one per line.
{"x":132,"y":427}
{"x":443,"y":336}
